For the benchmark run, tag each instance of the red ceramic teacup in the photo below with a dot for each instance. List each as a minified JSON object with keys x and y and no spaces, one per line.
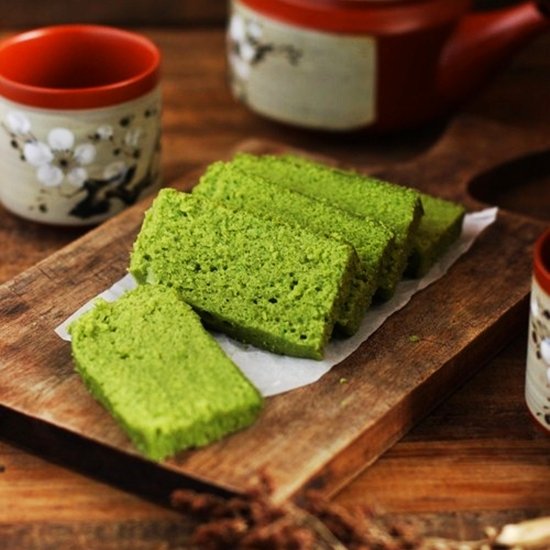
{"x":383,"y":64}
{"x":537,"y":383}
{"x":80,"y":122}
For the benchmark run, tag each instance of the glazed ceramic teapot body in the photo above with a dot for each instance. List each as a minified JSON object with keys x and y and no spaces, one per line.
{"x":382,"y":64}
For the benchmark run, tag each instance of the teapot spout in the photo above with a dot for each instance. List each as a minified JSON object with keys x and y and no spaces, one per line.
{"x":482,"y":42}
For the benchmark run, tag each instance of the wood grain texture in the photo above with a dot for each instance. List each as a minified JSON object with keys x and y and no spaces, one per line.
{"x":201,"y":123}
{"x":477,"y":451}
{"x":46,"y":505}
{"x":322,"y":435}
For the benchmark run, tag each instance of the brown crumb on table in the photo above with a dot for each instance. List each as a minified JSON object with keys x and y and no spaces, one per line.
{"x":252,"y":521}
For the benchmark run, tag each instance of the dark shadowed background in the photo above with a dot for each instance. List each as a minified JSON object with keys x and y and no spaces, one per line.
{"x":29,"y":13}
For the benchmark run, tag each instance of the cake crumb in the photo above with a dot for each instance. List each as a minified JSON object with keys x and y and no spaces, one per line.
{"x":413,"y":338}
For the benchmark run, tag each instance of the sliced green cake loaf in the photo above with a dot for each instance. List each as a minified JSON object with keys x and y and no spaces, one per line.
{"x":439,"y":228}
{"x":149,"y":361}
{"x":273,"y":285}
{"x":396,"y":207}
{"x":371,"y":240}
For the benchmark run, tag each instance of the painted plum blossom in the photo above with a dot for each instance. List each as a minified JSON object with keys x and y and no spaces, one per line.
{"x":247,"y":48}
{"x":70,"y":168}
{"x":540,"y":330}
{"x":540,"y":334}
{"x":60,"y":159}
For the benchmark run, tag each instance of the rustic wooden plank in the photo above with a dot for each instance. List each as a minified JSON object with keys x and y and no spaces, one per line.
{"x":45,"y":503}
{"x":321,"y":435}
{"x":19,"y":488}
{"x":432,"y":474}
{"x":465,"y":525}
{"x":143,"y":534}
{"x":479,"y":450}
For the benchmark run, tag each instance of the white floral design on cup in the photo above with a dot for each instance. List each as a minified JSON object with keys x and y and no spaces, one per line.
{"x":540,"y":333}
{"x":60,"y":158}
{"x":247,"y":49}
{"x":537,"y":376}
{"x":64,"y":165}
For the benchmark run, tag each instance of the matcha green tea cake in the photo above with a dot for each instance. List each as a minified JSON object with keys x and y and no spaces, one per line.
{"x":149,"y":361}
{"x":371,"y":240}
{"x":275,"y":286}
{"x":396,"y":207}
{"x":439,"y":228}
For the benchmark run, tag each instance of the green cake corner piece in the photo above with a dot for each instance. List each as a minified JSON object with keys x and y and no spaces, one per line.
{"x":147,"y":359}
{"x":398,"y":208}
{"x":439,"y":228}
{"x":372,"y":241}
{"x":272,"y":285}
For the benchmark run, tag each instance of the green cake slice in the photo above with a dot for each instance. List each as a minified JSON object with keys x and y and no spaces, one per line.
{"x":272,"y":285}
{"x":149,"y":361}
{"x":371,"y":240}
{"x":396,"y":207}
{"x":439,"y":228}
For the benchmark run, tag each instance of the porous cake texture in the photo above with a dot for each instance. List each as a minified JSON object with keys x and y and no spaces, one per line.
{"x":439,"y":228}
{"x":398,"y":208}
{"x":147,"y":358}
{"x":275,"y":286}
{"x":371,"y":240}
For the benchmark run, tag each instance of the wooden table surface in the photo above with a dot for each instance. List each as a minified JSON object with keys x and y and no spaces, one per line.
{"x":476,"y":460}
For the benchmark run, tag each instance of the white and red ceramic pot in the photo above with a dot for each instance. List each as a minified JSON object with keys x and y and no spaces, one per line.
{"x":381,"y":64}
{"x":537,"y":381}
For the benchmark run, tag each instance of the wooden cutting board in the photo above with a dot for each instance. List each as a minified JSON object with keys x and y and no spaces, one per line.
{"x":318,"y":436}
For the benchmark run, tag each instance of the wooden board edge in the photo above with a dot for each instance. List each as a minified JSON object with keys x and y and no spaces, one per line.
{"x":357,"y":457}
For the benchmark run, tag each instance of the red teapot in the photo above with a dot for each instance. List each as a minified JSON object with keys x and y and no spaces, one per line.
{"x":382,"y":64}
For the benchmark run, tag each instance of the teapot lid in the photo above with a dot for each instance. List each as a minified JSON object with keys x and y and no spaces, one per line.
{"x":357,"y":16}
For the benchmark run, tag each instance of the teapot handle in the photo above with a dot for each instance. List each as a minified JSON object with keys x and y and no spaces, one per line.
{"x":482,"y":42}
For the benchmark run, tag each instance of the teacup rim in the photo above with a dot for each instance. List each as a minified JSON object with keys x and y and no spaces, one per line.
{"x":85,"y":97}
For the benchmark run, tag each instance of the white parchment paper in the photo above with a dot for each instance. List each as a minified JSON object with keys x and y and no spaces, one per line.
{"x":273,"y":374}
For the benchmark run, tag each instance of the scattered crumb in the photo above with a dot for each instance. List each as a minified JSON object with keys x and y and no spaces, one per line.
{"x":252,"y":521}
{"x":414,"y":338}
{"x":343,"y":380}
{"x":345,"y":402}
